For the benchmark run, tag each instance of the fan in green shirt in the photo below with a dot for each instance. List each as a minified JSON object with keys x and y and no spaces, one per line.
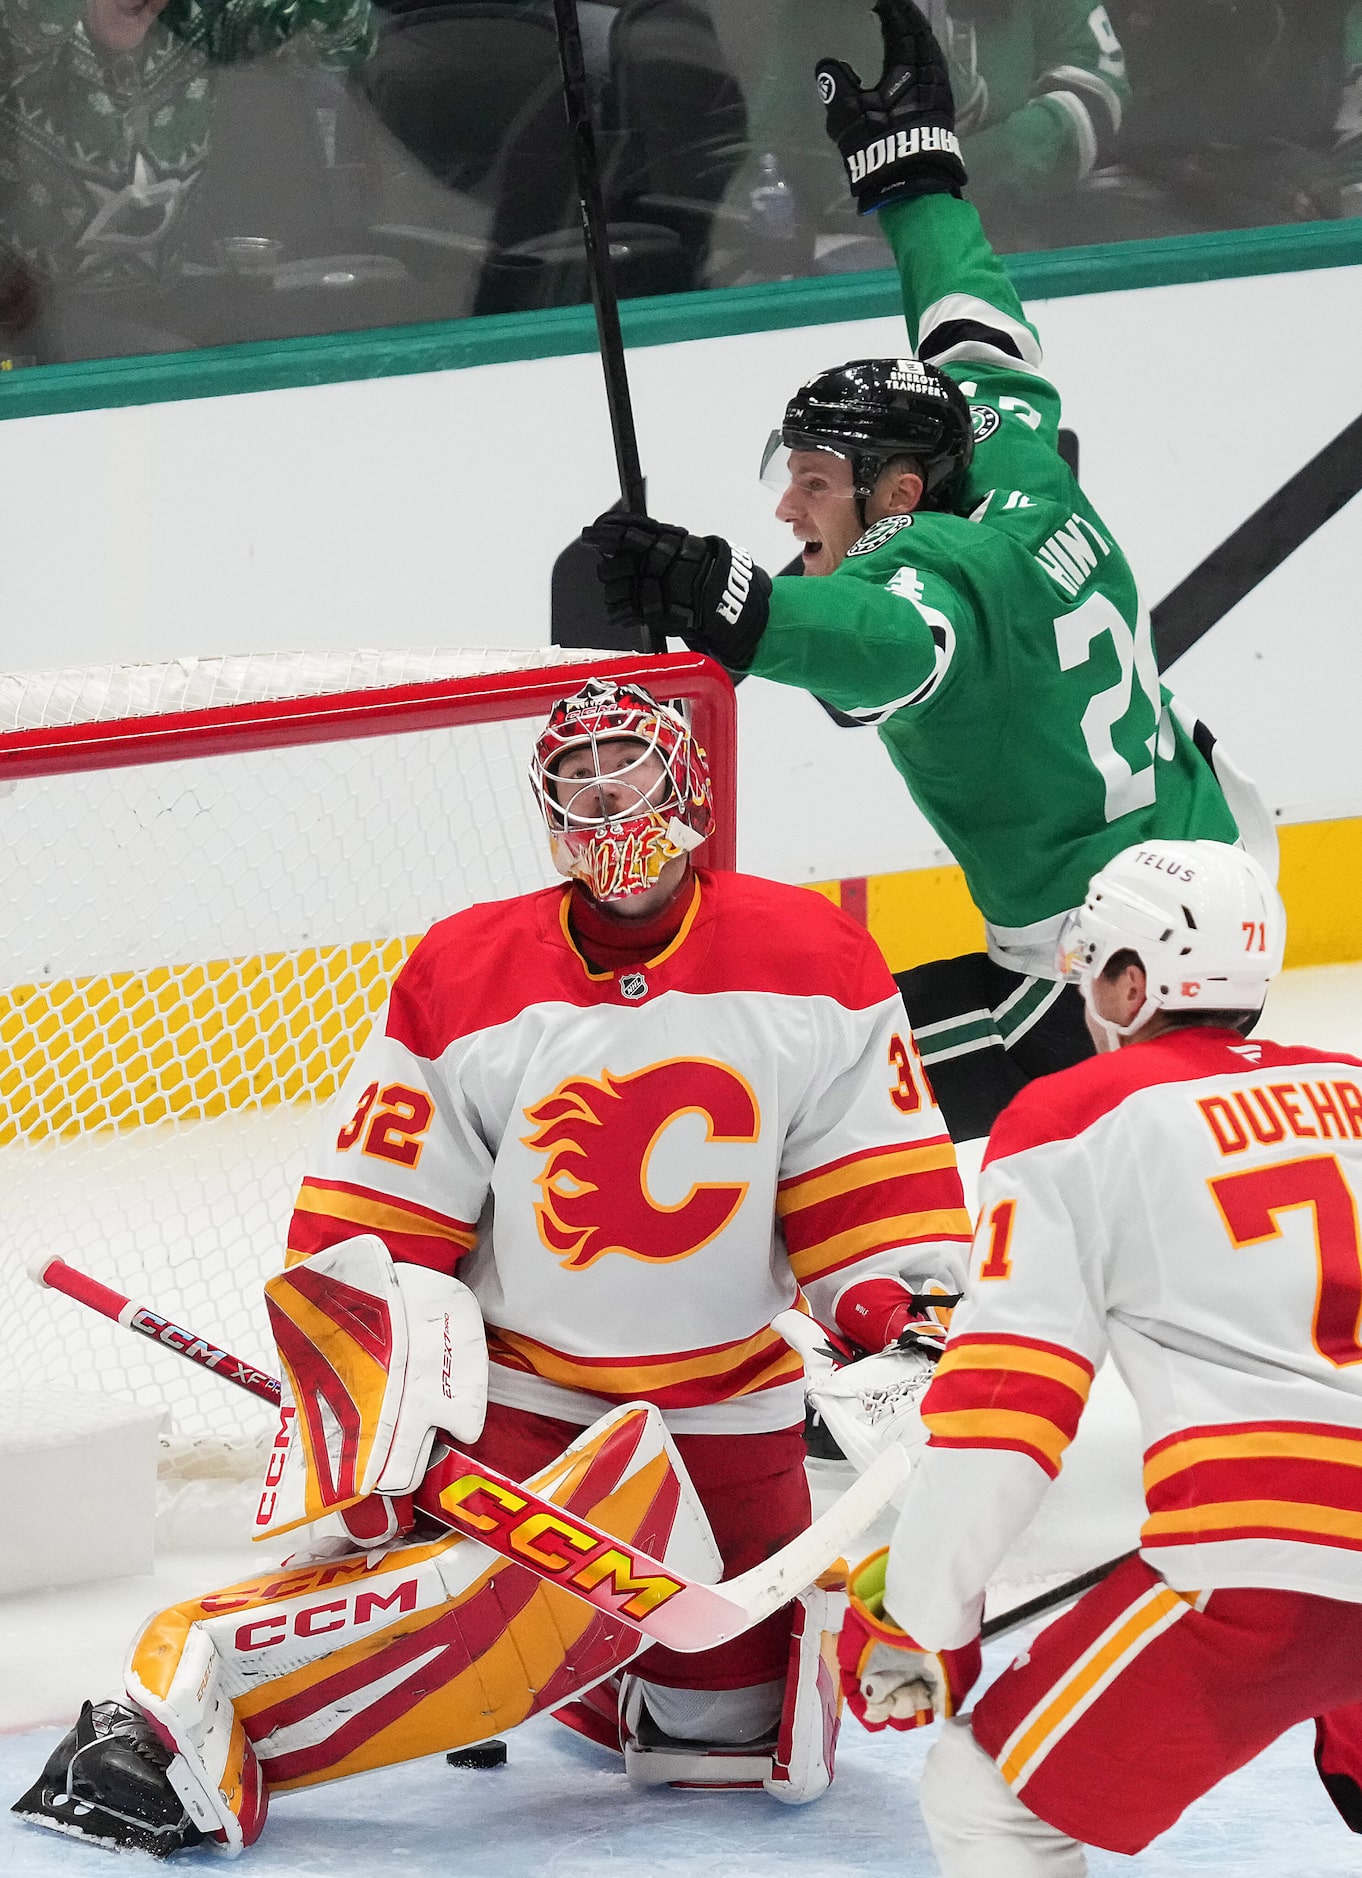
{"x":968,"y":601}
{"x":106,"y":118}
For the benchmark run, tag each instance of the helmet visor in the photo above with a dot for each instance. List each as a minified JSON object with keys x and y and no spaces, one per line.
{"x":776,"y":470}
{"x":775,"y":462}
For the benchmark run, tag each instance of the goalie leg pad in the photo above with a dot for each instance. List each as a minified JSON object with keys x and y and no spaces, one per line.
{"x":341,"y":1665}
{"x":806,"y":1747}
{"x":376,"y":1358}
{"x":176,"y":1675}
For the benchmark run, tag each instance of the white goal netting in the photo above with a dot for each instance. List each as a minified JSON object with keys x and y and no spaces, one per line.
{"x":190,"y":953}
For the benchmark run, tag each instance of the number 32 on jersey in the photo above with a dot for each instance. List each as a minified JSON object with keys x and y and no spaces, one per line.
{"x":395,"y":1129}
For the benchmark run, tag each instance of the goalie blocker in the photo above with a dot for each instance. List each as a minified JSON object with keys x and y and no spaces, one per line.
{"x":377,"y":1357}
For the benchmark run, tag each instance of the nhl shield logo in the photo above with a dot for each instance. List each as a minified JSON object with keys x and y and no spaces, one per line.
{"x":633,"y":986}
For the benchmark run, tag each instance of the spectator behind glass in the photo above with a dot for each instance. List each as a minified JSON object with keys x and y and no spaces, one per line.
{"x":1348,"y":124}
{"x":106,"y":116}
{"x":1241,"y":109}
{"x":1040,"y":91}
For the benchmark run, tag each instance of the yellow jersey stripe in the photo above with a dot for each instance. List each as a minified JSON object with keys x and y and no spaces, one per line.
{"x":615,"y":1376}
{"x":378,"y":1216}
{"x":864,"y":1173}
{"x":898,"y":1229}
{"x":1277,"y":1515}
{"x":1017,"y":1358}
{"x":990,"y":1427}
{"x":1254,"y":1445}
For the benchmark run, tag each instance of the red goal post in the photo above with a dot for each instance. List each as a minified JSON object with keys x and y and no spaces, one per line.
{"x":684,"y":678}
{"x":214,"y":869}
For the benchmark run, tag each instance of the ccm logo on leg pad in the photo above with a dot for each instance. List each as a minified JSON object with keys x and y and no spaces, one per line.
{"x":315,"y":1620}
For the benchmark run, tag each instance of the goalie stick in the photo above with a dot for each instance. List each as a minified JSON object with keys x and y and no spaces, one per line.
{"x":509,"y":1518}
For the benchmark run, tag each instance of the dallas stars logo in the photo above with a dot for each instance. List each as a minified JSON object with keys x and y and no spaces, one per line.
{"x":133,"y":221}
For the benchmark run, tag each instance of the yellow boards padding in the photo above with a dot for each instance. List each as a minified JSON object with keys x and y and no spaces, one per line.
{"x":124,"y":1049}
{"x":187,"y":1041}
{"x":928,"y":914}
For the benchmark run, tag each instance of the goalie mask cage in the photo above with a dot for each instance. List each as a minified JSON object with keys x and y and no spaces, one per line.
{"x":213,"y":870}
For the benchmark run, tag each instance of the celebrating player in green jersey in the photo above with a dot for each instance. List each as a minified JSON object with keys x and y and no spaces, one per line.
{"x":972,"y":603}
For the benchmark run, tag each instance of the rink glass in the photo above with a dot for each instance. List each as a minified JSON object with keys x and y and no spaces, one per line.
{"x":264,"y":169}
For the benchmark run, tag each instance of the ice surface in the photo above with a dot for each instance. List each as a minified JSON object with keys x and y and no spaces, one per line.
{"x":561,"y":1809}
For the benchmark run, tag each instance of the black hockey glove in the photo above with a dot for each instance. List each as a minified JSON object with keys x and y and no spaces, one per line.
{"x":897,"y":140}
{"x":696,"y":586}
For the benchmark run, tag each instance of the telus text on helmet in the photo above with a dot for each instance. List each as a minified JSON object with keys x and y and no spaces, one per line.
{"x":1161,"y":863}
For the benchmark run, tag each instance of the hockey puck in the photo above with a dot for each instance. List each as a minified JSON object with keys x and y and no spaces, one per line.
{"x":479,"y":1754}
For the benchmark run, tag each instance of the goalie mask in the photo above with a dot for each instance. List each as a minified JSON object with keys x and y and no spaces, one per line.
{"x":1204,"y":919}
{"x":615,"y":825}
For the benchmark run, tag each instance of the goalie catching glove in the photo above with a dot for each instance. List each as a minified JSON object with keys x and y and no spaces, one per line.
{"x":377,"y":1359}
{"x":870,"y":1402}
{"x":698,"y":587}
{"x":890,"y":1681}
{"x":897,"y":138}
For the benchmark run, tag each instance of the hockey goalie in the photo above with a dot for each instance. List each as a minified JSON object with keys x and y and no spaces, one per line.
{"x":601,"y":1138}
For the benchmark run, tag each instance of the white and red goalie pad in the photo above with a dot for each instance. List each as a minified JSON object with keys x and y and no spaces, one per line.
{"x":305,"y":1675}
{"x":377,"y":1358}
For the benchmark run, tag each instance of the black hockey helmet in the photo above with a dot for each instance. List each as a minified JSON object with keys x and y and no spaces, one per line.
{"x":872,"y":410}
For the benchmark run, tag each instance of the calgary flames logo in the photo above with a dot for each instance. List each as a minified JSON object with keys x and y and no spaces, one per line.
{"x":599,"y":1137}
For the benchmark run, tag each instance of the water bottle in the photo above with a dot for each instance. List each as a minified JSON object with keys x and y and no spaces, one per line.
{"x":774,"y":246}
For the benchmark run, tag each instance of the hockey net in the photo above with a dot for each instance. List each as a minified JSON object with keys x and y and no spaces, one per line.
{"x":214,"y":869}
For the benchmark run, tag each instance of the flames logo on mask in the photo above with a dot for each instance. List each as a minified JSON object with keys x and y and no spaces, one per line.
{"x":599,"y":1136}
{"x":621,"y":859}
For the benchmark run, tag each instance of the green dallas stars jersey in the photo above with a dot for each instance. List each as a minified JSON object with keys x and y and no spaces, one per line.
{"x":1002,"y":651}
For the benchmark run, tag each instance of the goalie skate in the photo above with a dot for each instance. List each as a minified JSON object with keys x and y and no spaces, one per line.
{"x":653,"y":1758}
{"x":108,"y":1781}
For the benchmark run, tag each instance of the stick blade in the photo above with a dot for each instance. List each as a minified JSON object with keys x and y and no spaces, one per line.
{"x":577,"y":606}
{"x":795,"y":1567}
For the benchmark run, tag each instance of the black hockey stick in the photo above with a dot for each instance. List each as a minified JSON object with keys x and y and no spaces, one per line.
{"x":575,"y":606}
{"x":1259,"y":546}
{"x":1049,"y":1601}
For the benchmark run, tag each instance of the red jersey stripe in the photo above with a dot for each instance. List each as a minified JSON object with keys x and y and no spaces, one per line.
{"x":686,"y":1379}
{"x":488,"y":964}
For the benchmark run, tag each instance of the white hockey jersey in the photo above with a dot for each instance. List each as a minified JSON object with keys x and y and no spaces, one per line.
{"x":1189,"y":1204}
{"x":635,"y":1171}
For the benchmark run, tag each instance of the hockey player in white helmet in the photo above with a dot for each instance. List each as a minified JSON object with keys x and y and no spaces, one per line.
{"x":600,"y":1137}
{"x":1186,"y":1203}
